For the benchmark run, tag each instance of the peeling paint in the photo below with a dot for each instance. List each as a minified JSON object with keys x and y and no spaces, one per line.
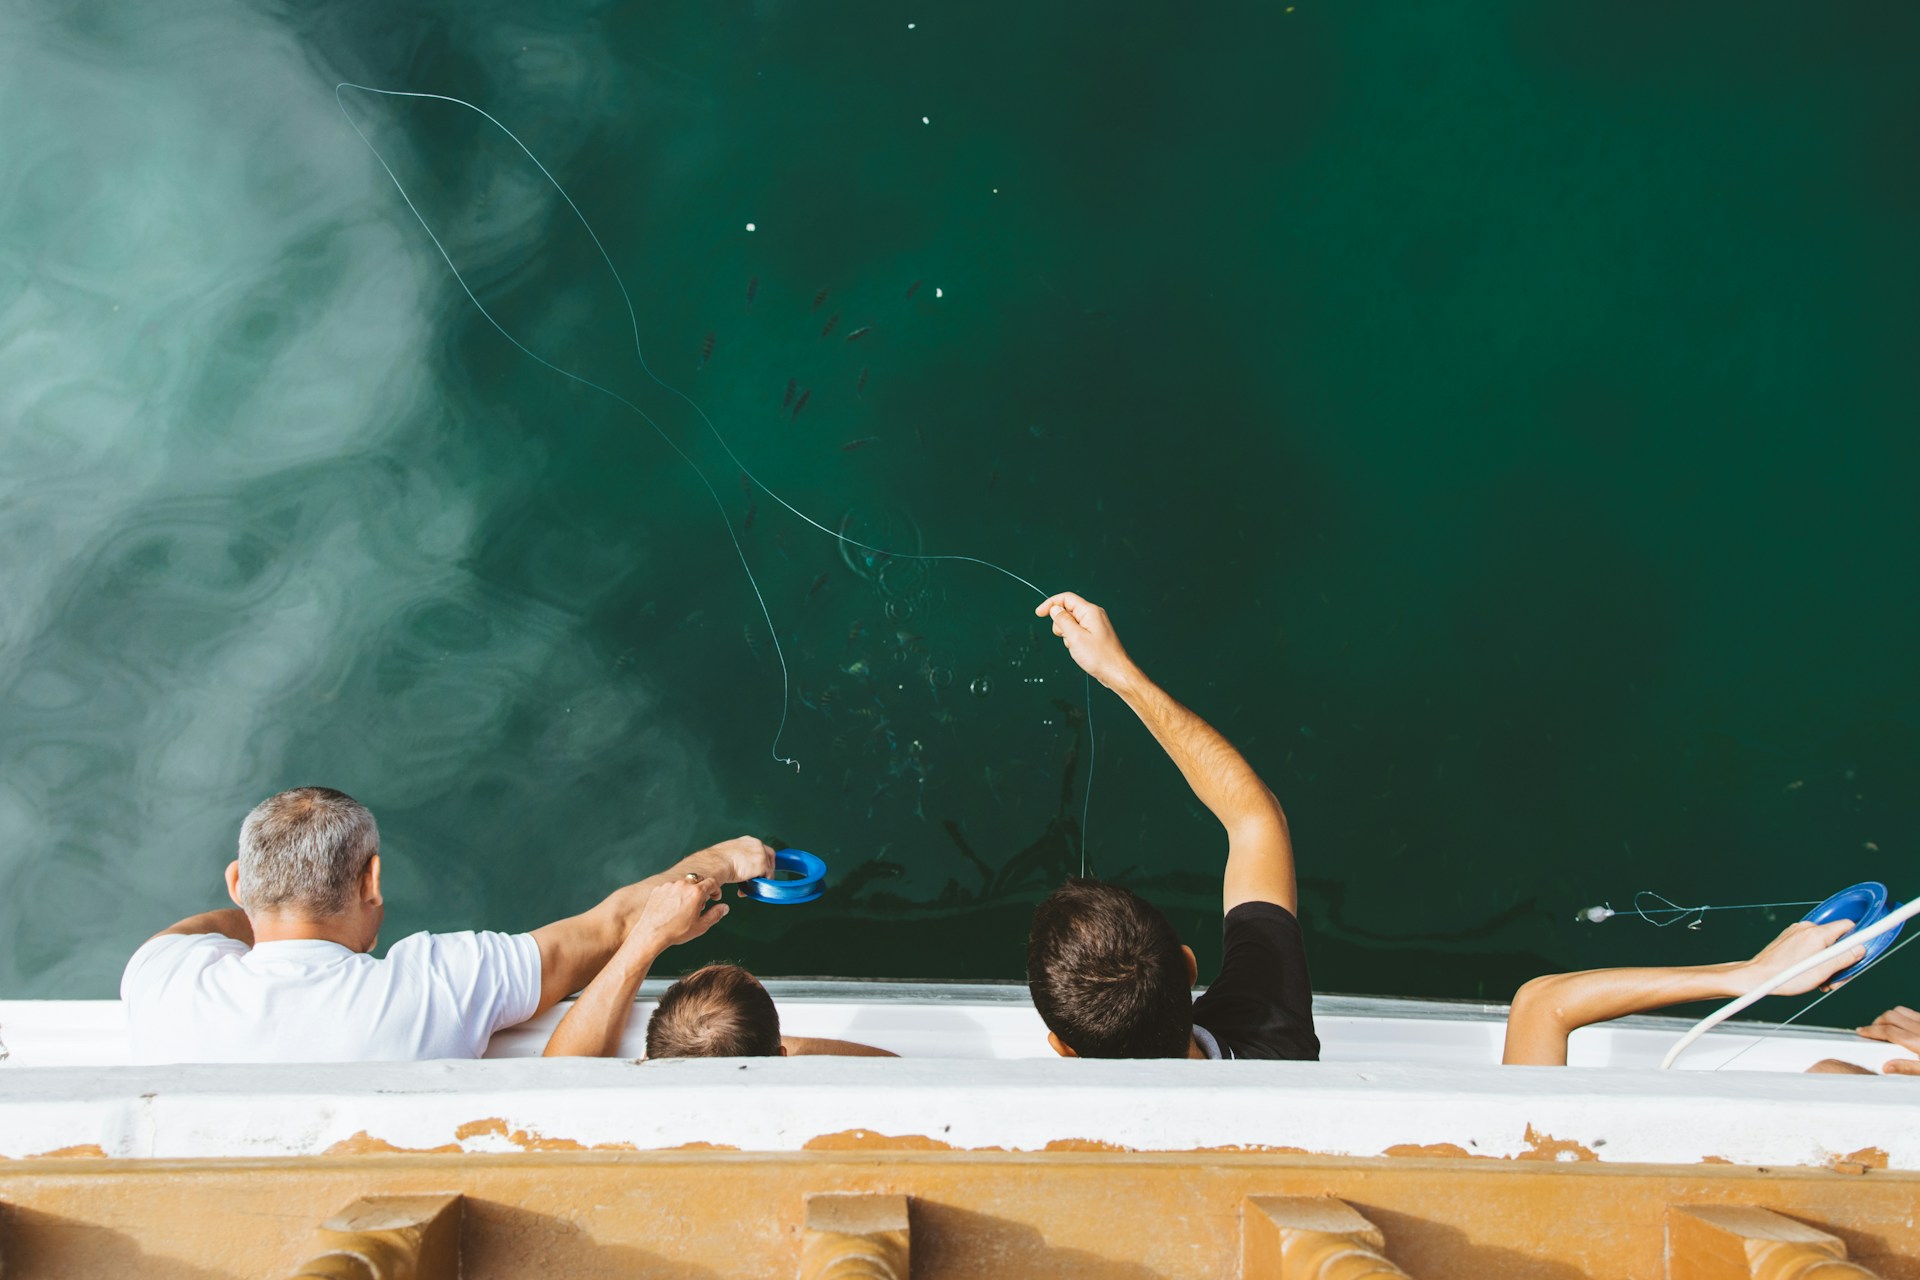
{"x":1448,"y":1149}
{"x":365,"y":1144}
{"x":88,"y":1150}
{"x":862,"y":1140}
{"x":1542,"y":1147}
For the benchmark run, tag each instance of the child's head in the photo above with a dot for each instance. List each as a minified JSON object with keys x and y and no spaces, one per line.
{"x":1109,"y":975}
{"x":720,"y":1011}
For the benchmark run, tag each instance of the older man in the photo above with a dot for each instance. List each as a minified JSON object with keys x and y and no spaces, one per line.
{"x":289,"y":976}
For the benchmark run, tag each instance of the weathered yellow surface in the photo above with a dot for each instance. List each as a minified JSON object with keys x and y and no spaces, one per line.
{"x":701,"y":1215}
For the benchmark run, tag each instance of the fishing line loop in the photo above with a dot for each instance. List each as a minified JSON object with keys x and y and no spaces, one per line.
{"x":633,"y":319}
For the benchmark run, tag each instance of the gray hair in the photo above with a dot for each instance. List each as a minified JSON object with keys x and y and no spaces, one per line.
{"x":304,"y":850}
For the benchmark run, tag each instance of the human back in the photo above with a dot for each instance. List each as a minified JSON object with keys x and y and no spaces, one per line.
{"x":1107,"y":971}
{"x":292,"y":979}
{"x":288,"y":975}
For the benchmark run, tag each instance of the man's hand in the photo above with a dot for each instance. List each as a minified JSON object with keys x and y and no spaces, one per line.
{"x":1898,"y":1025}
{"x":1090,"y":638}
{"x":741,"y":858}
{"x":1795,"y":943}
{"x":678,"y":912}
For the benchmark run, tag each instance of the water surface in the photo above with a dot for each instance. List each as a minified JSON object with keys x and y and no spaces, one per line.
{"x":1498,"y":418}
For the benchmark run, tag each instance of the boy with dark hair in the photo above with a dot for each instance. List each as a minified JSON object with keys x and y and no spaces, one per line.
{"x":1108,"y":972}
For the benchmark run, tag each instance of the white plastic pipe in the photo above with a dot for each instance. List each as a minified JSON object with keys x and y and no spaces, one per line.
{"x":1892,"y":920}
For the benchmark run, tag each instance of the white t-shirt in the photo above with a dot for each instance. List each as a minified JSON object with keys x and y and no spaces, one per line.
{"x":205,"y":997}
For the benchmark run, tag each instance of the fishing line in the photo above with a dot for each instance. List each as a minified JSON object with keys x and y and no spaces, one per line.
{"x":633,"y":320}
{"x":1605,"y":912}
{"x":1811,"y":1005}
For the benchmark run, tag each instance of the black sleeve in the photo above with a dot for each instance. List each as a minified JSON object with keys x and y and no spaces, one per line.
{"x":1261,"y":1005}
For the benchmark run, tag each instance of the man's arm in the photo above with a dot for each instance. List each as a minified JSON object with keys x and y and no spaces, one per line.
{"x":573,"y":950}
{"x":1259,"y":849}
{"x":1547,"y":1010}
{"x":676,"y":912}
{"x":820,"y":1047}
{"x":230,"y":921}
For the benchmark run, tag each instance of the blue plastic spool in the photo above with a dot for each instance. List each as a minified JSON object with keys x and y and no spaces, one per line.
{"x":1863,"y":903}
{"x":810,"y":884}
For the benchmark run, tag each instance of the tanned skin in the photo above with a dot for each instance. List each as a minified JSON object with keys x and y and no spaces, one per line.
{"x":1259,"y":849}
{"x":1549,"y":1009}
{"x":677,"y":912}
{"x":572,"y":950}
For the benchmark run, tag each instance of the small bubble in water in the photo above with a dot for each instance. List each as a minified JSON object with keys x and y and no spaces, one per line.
{"x":898,"y":611}
{"x":981,"y":686}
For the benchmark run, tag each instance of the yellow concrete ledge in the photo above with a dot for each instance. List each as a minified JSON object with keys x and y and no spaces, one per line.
{"x":588,"y":1215}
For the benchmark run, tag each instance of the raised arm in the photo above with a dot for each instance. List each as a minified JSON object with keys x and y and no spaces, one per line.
{"x":676,"y":911}
{"x":573,"y":950}
{"x":1259,"y":850}
{"x":1547,"y":1010}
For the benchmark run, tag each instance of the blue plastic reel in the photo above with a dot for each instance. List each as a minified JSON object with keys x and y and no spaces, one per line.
{"x":812,"y":873}
{"x":1863,"y":904}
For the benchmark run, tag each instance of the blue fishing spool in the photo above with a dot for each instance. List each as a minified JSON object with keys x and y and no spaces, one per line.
{"x":805,"y":879}
{"x":1864,"y":904}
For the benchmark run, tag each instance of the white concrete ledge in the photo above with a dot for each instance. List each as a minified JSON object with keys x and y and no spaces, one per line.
{"x":1347,"y":1109}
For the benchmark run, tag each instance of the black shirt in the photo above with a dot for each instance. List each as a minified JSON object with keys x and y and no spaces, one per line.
{"x":1261,"y":1005}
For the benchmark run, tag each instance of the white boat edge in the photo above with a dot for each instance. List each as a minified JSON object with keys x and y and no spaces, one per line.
{"x":1398,"y":1076}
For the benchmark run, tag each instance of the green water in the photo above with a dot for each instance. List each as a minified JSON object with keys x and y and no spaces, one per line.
{"x":1497,"y":417}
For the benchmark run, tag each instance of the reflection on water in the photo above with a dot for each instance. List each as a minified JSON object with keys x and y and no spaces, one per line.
{"x":236,"y":551}
{"x":1473,"y":466}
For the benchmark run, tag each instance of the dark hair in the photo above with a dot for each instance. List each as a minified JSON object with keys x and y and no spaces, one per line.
{"x":1107,"y":973}
{"x":720,"y":1011}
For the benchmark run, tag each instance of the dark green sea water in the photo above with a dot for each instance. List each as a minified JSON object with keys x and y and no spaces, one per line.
{"x":1498,"y":417}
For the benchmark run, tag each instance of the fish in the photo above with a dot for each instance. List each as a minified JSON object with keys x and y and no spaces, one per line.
{"x":861,"y":443}
{"x":753,"y":640}
{"x":993,"y":480}
{"x":855,"y":632}
{"x":819,"y":298}
{"x":746,"y":526}
{"x":746,"y":485}
{"x":818,"y":583}
{"x":793,"y":384}
{"x":832,"y":320}
{"x":856,"y":668}
{"x":861,"y":385}
{"x":706,"y":350}
{"x":753,"y":287}
{"x":920,"y":434}
{"x":912,"y":287}
{"x":860,"y":333}
{"x":801,"y":403}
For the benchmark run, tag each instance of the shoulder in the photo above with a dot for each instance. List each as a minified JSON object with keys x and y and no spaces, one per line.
{"x":160,"y":958}
{"x":1261,"y":921}
{"x":1261,"y":1005}
{"x":468,"y":949}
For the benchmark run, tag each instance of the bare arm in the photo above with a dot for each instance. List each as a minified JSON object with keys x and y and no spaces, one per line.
{"x":573,"y":950}
{"x":676,"y":912}
{"x":816,"y":1046}
{"x":1548,"y":1010}
{"x":1898,"y":1026}
{"x":230,"y":921}
{"x":1259,"y":848}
